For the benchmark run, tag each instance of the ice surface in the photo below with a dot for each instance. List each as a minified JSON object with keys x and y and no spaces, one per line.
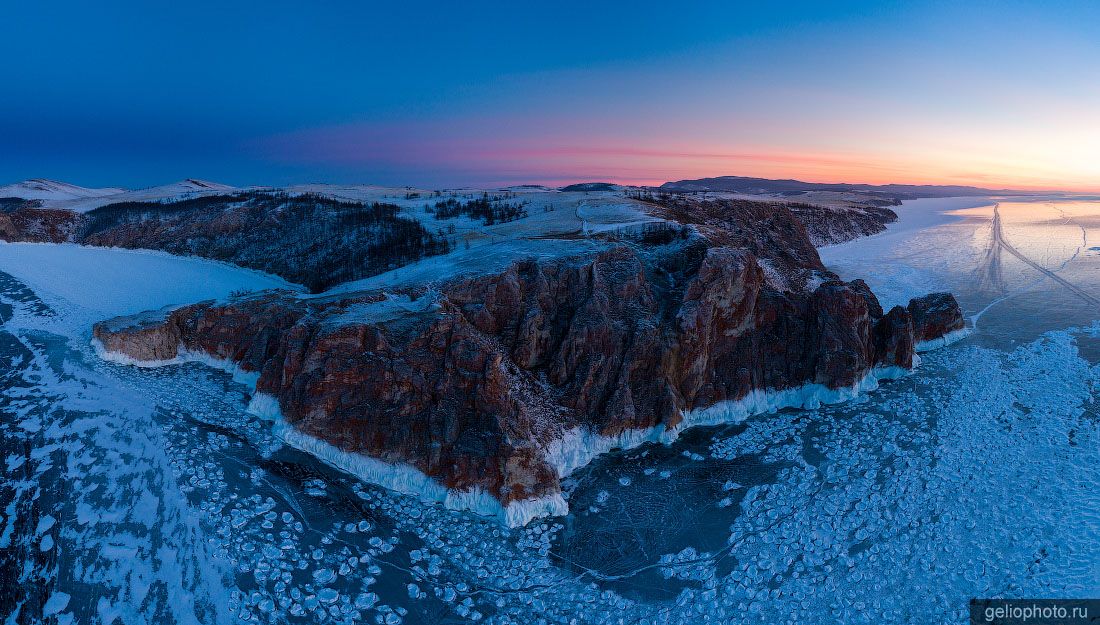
{"x":90,"y":284}
{"x":184,"y":355}
{"x":579,"y":446}
{"x":887,"y":260}
{"x":118,"y":521}
{"x":55,"y":603}
{"x":170,"y":503}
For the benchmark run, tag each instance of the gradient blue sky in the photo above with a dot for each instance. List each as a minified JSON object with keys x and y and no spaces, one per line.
{"x":450,"y":93}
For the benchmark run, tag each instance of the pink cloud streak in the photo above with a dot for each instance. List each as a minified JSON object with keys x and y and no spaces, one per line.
{"x":484,"y":151}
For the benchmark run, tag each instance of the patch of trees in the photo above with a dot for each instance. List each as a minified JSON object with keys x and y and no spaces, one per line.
{"x":309,"y":239}
{"x":647,"y":195}
{"x":9,"y":204}
{"x":495,"y":209}
{"x":24,"y":220}
{"x":663,"y":233}
{"x":110,"y":216}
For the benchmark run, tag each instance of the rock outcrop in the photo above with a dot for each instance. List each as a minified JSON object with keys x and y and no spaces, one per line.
{"x":935,"y":316}
{"x":501,"y":384}
{"x":823,"y":223}
{"x":829,"y":225}
{"x":26,"y":221}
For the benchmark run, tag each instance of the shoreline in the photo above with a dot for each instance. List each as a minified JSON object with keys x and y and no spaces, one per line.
{"x":574,"y":450}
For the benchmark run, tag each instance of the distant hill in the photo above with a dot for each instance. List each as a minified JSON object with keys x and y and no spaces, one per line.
{"x":52,"y":190}
{"x":757,"y":186}
{"x":62,"y":195}
{"x":591,"y":186}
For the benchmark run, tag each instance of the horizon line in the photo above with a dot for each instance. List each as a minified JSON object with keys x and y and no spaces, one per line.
{"x":552,"y":180}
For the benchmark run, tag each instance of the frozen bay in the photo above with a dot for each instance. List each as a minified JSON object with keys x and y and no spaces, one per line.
{"x":134,"y":495}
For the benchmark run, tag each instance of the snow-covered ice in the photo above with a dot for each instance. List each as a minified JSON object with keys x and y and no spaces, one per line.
{"x":94,"y":283}
{"x":165,"y":500}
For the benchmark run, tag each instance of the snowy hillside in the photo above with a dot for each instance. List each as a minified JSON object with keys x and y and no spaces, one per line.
{"x":71,"y":197}
{"x":53,"y":191}
{"x":348,"y":237}
{"x":556,"y":224}
{"x":324,"y":235}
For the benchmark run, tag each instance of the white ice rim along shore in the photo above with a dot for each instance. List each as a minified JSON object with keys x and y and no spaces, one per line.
{"x":574,"y":450}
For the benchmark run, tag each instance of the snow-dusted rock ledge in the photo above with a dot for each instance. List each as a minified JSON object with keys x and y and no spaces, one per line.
{"x":580,"y":446}
{"x":573,"y":451}
{"x":401,"y":478}
{"x":943,"y":341}
{"x":404,"y":478}
{"x":184,"y":355}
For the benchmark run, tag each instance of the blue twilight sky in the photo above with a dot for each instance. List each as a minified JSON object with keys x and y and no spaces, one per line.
{"x":450,"y":93}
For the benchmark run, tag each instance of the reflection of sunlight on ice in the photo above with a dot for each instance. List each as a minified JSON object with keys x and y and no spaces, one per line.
{"x":966,"y":257}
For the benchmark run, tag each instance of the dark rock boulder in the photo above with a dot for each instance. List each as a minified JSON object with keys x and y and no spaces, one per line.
{"x":935,"y":315}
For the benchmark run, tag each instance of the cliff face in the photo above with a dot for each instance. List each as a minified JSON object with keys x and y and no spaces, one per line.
{"x":827,"y":222}
{"x":477,"y":381}
{"x":832,"y":225}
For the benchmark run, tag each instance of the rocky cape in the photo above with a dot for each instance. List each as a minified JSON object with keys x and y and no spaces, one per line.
{"x":484,"y":391}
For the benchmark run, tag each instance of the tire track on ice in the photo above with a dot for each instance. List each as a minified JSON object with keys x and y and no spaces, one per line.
{"x":999,"y":239}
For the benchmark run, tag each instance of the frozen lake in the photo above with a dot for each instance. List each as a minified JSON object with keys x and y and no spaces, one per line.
{"x":132,"y":495}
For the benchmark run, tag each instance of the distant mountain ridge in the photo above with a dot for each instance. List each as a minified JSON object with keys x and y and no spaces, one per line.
{"x":591,"y":186}
{"x":43,"y":189}
{"x":759,"y":186}
{"x":62,"y":195}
